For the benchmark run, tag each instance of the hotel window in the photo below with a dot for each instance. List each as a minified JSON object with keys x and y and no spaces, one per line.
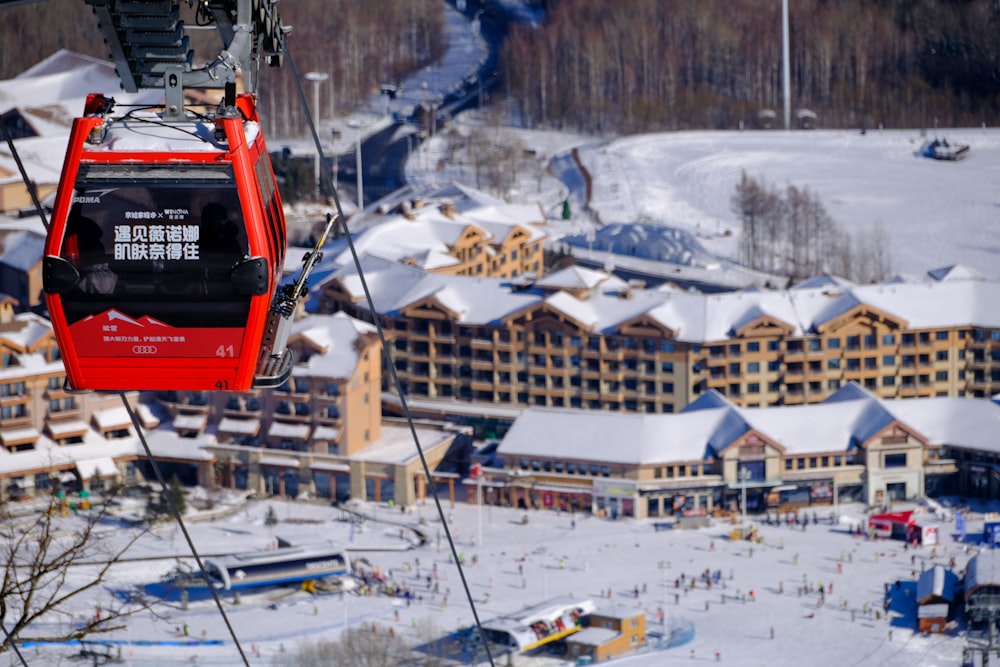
{"x":889,"y":360}
{"x":895,"y":460}
{"x":753,"y":346}
{"x":753,"y":367}
{"x":12,"y":389}
{"x":13,"y":411}
{"x":800,"y":463}
{"x":833,"y":364}
{"x":940,"y":335}
{"x":788,"y":464}
{"x":815,"y":345}
{"x":833,"y":343}
{"x":888,"y":339}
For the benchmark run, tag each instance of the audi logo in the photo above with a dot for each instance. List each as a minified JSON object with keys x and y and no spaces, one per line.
{"x":143,"y":349}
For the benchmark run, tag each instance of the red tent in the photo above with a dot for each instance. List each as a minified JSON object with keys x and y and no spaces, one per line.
{"x":891,"y":524}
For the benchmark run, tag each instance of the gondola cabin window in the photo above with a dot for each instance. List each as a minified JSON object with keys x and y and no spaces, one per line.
{"x":146,"y":249}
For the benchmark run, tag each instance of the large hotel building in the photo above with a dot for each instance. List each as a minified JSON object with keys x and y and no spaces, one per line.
{"x":580,"y":338}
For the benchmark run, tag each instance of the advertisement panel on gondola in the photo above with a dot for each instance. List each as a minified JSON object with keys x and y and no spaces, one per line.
{"x":155,"y":278}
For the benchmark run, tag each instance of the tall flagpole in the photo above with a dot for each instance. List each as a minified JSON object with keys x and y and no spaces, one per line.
{"x":785,"y":67}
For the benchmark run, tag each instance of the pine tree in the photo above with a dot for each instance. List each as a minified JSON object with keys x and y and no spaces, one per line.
{"x":177,"y":494}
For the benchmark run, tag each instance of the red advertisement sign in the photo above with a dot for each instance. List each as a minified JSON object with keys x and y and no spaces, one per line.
{"x":114,"y":334}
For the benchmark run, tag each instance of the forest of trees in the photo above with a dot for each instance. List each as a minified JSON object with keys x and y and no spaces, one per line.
{"x":642,"y":65}
{"x":627,"y":67}
{"x":790,"y":233}
{"x":359,"y":44}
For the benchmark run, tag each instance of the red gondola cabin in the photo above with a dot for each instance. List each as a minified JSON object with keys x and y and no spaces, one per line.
{"x":165,"y":250}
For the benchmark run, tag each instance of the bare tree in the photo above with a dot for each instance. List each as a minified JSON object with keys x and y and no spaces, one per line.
{"x":42,"y":555}
{"x":363,"y":646}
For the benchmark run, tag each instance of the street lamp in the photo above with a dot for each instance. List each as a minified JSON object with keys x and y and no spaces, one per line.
{"x":744,"y":476}
{"x":317,"y":78}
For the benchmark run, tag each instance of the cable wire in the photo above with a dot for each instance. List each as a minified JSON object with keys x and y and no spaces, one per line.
{"x":13,"y":644}
{"x":165,"y":490}
{"x":432,"y":487}
{"x":24,"y":176}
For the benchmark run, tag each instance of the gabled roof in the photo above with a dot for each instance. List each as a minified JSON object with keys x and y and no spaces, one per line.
{"x":697,"y":318}
{"x":824,"y":281}
{"x":936,"y":585}
{"x":21,"y":250}
{"x":955,"y":272}
{"x":579,"y":278}
{"x":337,"y":335}
{"x":595,"y":435}
{"x":983,"y":570}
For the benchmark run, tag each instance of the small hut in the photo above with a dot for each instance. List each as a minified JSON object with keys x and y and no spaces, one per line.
{"x":935,"y":595}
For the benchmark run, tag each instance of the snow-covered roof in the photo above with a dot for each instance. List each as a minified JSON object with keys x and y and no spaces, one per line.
{"x":955,"y":272}
{"x":636,"y":439}
{"x":937,"y":583}
{"x":426,"y":236}
{"x":710,"y":423}
{"x":335,"y":335}
{"x":695,"y":318}
{"x":983,"y":570}
{"x":961,"y":422}
{"x":22,"y":249}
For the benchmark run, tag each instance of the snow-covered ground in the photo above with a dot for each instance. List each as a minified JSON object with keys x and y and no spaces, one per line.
{"x":936,"y":213}
{"x":559,"y":554}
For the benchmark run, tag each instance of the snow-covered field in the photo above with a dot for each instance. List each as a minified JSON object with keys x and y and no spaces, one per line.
{"x":936,"y":213}
{"x":582,"y":556}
